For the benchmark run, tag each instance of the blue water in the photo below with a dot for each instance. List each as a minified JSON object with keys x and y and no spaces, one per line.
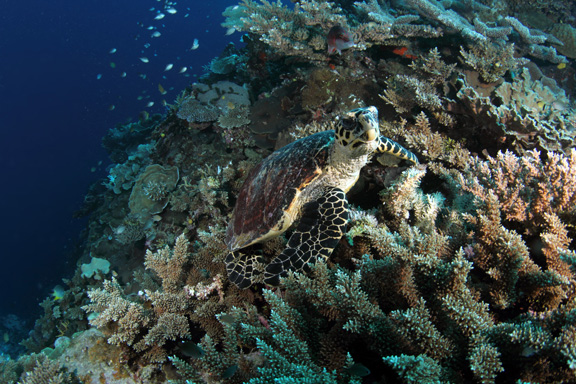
{"x":54,"y":111}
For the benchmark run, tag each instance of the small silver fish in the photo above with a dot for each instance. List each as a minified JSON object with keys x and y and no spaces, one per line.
{"x":144,"y":59}
{"x":169,"y":67}
{"x":159,"y":16}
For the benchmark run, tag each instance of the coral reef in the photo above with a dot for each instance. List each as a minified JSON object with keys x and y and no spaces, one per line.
{"x":458,"y":270}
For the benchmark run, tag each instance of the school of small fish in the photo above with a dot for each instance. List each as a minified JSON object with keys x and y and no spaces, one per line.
{"x":153,"y":29}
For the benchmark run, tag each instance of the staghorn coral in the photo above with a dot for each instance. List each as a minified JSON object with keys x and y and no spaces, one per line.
{"x":448,"y":18}
{"x":168,"y":264}
{"x":433,"y":145}
{"x":423,"y":87}
{"x":178,"y":302}
{"x":534,"y":40}
{"x":529,"y":192}
{"x":388,"y":28}
{"x":302,"y":32}
{"x":280,"y":351}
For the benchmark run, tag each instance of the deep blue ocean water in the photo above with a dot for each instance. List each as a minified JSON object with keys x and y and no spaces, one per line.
{"x":58,"y":81}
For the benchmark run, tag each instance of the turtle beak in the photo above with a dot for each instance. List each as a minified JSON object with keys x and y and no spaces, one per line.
{"x":371,"y":135}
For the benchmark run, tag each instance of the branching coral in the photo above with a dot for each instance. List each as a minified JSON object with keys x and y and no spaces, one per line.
{"x":491,"y":61}
{"x":405,"y":92}
{"x":169,"y":264}
{"x":42,"y":370}
{"x":537,"y":195}
{"x":527,"y":188}
{"x":137,"y":327}
{"x":110,"y":305}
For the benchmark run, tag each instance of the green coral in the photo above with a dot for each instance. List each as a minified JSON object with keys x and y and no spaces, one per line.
{"x":416,"y":369}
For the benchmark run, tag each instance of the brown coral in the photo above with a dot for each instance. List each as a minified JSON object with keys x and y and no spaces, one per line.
{"x":150,"y":192}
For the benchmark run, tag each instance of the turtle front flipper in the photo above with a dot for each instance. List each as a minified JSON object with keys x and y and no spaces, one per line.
{"x":390,"y":146}
{"x":242,"y":268}
{"x":322,"y":225}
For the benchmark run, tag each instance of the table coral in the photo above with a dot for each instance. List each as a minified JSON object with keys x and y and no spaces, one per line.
{"x":567,"y":35}
{"x":193,"y":111}
{"x":531,"y":113}
{"x":293,"y":33}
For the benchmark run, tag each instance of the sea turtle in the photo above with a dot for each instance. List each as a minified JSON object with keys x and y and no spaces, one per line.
{"x":305,"y":181}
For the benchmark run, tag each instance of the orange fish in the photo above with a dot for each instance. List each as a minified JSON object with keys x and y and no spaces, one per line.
{"x":403,"y":51}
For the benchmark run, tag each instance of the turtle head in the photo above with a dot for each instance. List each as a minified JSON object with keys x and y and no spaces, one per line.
{"x":358,"y":130}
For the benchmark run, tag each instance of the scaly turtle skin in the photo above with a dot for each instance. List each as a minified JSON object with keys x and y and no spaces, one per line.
{"x":305,"y":182}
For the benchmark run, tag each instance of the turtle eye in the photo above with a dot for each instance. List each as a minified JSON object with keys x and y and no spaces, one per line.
{"x":349,"y":124}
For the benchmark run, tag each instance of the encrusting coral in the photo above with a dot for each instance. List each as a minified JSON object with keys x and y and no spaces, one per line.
{"x":150,"y":191}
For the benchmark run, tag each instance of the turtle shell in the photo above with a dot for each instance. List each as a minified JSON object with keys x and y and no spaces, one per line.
{"x":273,"y":186}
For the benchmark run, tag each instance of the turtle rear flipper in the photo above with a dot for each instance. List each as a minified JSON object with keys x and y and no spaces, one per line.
{"x":243,"y":268}
{"x":320,"y":229}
